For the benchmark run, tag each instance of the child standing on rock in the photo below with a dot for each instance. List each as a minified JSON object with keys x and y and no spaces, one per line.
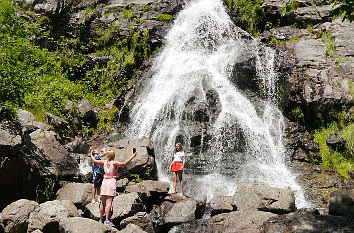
{"x":97,"y":175}
{"x":177,"y":166}
{"x":108,"y":188}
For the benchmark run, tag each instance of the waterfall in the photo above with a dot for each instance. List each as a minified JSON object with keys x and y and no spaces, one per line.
{"x":190,"y":98}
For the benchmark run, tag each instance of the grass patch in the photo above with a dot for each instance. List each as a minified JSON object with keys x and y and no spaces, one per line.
{"x":165,"y":18}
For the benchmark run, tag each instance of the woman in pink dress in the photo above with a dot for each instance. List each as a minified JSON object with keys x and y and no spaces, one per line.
{"x":108,"y":188}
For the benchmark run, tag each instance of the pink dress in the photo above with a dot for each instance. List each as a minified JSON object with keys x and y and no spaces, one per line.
{"x":108,"y":187}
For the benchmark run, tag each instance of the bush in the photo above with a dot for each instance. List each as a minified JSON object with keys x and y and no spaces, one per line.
{"x":251,"y":12}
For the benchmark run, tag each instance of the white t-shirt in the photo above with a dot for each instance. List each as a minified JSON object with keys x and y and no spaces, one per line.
{"x":178,"y":156}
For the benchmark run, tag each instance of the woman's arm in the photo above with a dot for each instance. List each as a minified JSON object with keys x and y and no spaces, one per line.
{"x":125,"y":163}
{"x":184,"y":162}
{"x":99,"y":162}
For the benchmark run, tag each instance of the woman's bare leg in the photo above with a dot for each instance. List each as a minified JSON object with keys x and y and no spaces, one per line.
{"x":102,"y":206}
{"x":174,"y":181}
{"x":108,"y":207}
{"x":180,"y":181}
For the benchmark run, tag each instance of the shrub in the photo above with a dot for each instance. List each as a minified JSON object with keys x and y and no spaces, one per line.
{"x":251,"y":12}
{"x":164,"y":18}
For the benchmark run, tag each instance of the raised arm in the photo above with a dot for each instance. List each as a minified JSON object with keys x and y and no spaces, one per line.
{"x":99,"y":162}
{"x":125,"y":163}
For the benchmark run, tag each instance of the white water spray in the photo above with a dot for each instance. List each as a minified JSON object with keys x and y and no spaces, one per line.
{"x":243,"y":146}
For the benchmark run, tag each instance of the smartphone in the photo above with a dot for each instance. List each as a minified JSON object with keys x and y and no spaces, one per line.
{"x":134,"y":150}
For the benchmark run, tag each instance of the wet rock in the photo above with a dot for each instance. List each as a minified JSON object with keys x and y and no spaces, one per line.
{"x":141,"y":219}
{"x":341,"y":205}
{"x":236,"y":221}
{"x":15,"y":216}
{"x":78,"y":193}
{"x":79,"y":225}
{"x":221,"y":204}
{"x":264,"y":198}
{"x":307,"y":220}
{"x":47,"y":216}
{"x":301,"y":145}
{"x":320,"y":183}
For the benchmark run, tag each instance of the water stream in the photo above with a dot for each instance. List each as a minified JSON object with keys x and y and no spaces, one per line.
{"x":238,"y":140}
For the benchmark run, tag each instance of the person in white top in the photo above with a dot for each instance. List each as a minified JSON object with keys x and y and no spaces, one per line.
{"x":177,"y":166}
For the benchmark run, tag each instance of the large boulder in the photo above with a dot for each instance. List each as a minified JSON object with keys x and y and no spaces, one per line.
{"x":307,"y":220}
{"x":342,"y":205}
{"x":47,"y":216}
{"x":79,"y":225}
{"x":131,"y":228}
{"x":264,"y":198}
{"x":150,"y":191}
{"x":235,"y":221}
{"x":92,"y":210}
{"x":143,"y":164}
{"x":221,"y":204}
{"x":140,"y":219}
{"x":126,"y":205}
{"x":78,"y":193}
{"x":175,"y":210}
{"x":15,"y":216}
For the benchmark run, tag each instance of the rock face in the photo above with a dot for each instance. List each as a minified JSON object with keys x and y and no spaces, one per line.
{"x":264,"y":198}
{"x":29,"y":153}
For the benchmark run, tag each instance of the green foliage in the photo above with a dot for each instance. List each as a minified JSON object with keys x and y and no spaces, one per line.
{"x":107,"y":117}
{"x":147,"y":175}
{"x":276,"y":41}
{"x":329,"y":42}
{"x":126,"y":13}
{"x":297,"y":115}
{"x":289,"y":7}
{"x":45,"y":192}
{"x":136,"y":178}
{"x":21,"y":63}
{"x":343,"y":162}
{"x":344,"y":8}
{"x":164,"y":18}
{"x":251,"y":12}
{"x":7,"y":111}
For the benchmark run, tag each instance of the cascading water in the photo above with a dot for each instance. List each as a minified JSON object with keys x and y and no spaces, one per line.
{"x":191,"y":98}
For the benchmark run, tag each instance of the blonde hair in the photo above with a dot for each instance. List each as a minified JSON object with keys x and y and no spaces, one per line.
{"x":111,"y":155}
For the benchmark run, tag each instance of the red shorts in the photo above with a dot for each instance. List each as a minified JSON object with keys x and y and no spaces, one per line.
{"x":177,"y":166}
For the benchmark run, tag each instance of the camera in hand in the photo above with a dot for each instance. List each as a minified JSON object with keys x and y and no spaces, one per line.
{"x":134,"y":150}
